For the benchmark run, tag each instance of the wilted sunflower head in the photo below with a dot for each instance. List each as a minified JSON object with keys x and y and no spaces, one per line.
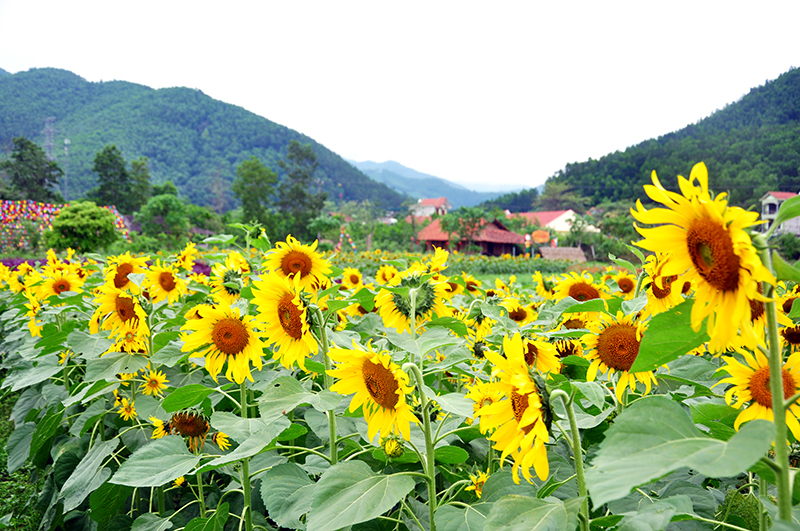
{"x":192,"y":425}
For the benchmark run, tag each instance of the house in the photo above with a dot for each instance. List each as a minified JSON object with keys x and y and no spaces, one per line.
{"x":770,"y":203}
{"x":555,"y":220}
{"x":494,"y":238}
{"x":429,"y":207}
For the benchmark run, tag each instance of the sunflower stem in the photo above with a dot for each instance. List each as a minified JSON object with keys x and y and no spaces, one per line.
{"x":776,"y":389}
{"x":639,"y":282}
{"x":200,"y":497}
{"x":577,"y":453}
{"x":762,"y":515}
{"x":429,"y":464}
{"x":247,"y":510}
{"x":323,"y":336}
{"x":162,"y":505}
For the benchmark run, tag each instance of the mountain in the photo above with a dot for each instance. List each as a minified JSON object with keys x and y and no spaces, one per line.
{"x":4,"y":73}
{"x":189,"y":138}
{"x":421,"y":185}
{"x":750,"y":147}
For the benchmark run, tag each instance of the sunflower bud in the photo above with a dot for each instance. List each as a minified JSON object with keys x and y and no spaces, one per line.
{"x":393,"y":447}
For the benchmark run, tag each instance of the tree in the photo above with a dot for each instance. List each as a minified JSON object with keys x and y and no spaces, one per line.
{"x":168,"y":187}
{"x":140,"y":183}
{"x":114,"y":183}
{"x":164,"y":215}
{"x":560,"y":196}
{"x":83,"y":226}
{"x":295,"y":196}
{"x":254,"y":185}
{"x":32,"y":176}
{"x":466,"y":222}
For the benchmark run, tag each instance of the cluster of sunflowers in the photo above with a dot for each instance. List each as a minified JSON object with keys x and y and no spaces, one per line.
{"x":384,"y":340}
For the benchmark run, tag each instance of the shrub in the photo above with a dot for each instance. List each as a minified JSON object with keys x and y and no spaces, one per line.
{"x":84,"y":226}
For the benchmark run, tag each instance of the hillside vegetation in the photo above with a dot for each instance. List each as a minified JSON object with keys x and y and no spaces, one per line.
{"x":191,"y":139}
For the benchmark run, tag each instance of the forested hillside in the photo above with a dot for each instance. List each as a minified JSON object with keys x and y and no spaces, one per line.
{"x":750,"y":147}
{"x":191,"y":139}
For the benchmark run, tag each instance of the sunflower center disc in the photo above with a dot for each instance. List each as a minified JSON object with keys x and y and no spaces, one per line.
{"x":625,"y":285}
{"x":125,"y":308}
{"x":296,"y":262}
{"x":518,"y":314}
{"x":787,"y":305}
{"x":791,"y":335}
{"x":354,"y":279}
{"x":381,"y":384}
{"x":583,"y":292}
{"x":471,"y":286}
{"x":290,"y":317}
{"x":121,"y":278}
{"x":166,"y":280}
{"x":230,"y":335}
{"x":711,"y":250}
{"x":531,"y":353}
{"x":618,"y":347}
{"x":61,"y":286}
{"x":573,"y":324}
{"x":519,"y":403}
{"x":660,"y":293}
{"x":759,"y":386}
{"x":189,"y":424}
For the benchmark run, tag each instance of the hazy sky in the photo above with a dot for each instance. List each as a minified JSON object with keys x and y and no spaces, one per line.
{"x":490,"y":92}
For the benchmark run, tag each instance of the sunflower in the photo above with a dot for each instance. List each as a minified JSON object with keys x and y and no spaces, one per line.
{"x":790,"y":338}
{"x":483,"y":394}
{"x":541,"y":355}
{"x":580,"y":287}
{"x":663,"y":291}
{"x":126,"y":409}
{"x":351,"y":278}
{"x":131,"y":341}
{"x":285,"y":318}
{"x":750,"y":383}
{"x":517,"y":312}
{"x":222,"y":334}
{"x":471,"y":284}
{"x":33,"y":305}
{"x":439,"y":261}
{"x":477,"y":331}
{"x":519,"y":421}
{"x":626,"y":282}
{"x":544,"y":287}
{"x":568,"y":347}
{"x":452,"y":288}
{"x":613,"y":346}
{"x":160,"y":428}
{"x":23,"y":278}
{"x":229,"y":277}
{"x":191,"y":425}
{"x":119,"y":267}
{"x":295,"y":259}
{"x":60,"y":282}
{"x":710,"y":248}
{"x":118,"y":311}
{"x":221,"y":440}
{"x":385,"y":274}
{"x":154,"y":384}
{"x":163,"y":283}
{"x":395,"y":309}
{"x":186,"y":257}
{"x":380,"y":387}
{"x":478,"y":482}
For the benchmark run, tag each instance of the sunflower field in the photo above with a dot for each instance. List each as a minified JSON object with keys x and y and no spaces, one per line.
{"x":283,"y":391}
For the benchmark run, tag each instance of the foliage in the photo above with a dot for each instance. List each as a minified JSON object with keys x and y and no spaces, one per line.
{"x":295,"y":200}
{"x":522,"y":201}
{"x":167,"y":187}
{"x":464,"y":224}
{"x":560,"y":196}
{"x":83,"y":226}
{"x":188,"y":137}
{"x":164,"y":215}
{"x":127,"y":190}
{"x":255,"y":186}
{"x":789,"y":245}
{"x":32,"y":176}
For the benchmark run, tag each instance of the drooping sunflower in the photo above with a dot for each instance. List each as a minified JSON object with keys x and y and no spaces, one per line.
{"x":186,"y":257}
{"x":541,"y":355}
{"x":519,"y":421}
{"x":395,"y":309}
{"x":612,"y":347}
{"x":710,"y":248}
{"x":750,"y":383}
{"x":292,"y":258}
{"x":385,"y":274}
{"x":580,"y":287}
{"x":154,"y":384}
{"x":192,"y":426}
{"x":222,"y":334}
{"x":163,"y":283}
{"x":118,"y":311}
{"x":790,"y":338}
{"x":286,"y":319}
{"x":380,"y":387}
{"x":229,"y":277}
{"x":119,"y":267}
{"x":663,"y":291}
{"x":59,"y":282}
{"x":544,"y":287}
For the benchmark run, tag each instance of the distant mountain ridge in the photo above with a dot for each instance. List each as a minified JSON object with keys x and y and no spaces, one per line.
{"x":189,"y":138}
{"x":421,"y":185}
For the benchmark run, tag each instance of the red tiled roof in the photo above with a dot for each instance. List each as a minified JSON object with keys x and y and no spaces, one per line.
{"x":419,"y":220}
{"x":439,"y":201}
{"x":543,"y":217}
{"x":491,"y":232}
{"x":782,"y":195}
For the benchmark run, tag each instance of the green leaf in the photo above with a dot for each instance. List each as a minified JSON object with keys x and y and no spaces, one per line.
{"x":113,"y":363}
{"x":44,"y":369}
{"x":256,"y":444}
{"x":151,"y":522}
{"x":236,"y":427}
{"x":46,"y":428}
{"x":107,"y":501}
{"x":451,"y":455}
{"x":88,"y":346}
{"x":212,"y":523}
{"x":623,"y":263}
{"x":656,"y":516}
{"x":186,"y":396}
{"x":366,"y":299}
{"x":789,"y":209}
{"x":593,"y":392}
{"x":784,"y":270}
{"x":470,"y":518}
{"x":88,"y":475}
{"x":636,"y":252}
{"x":521,"y":513}
{"x":169,"y":354}
{"x":287,"y":493}
{"x":668,"y":336}
{"x":717,"y":417}
{"x":655,"y":436}
{"x":18,"y":446}
{"x":634,"y":306}
{"x":285,"y":393}
{"x":456,"y":325}
{"x":455,"y":403}
{"x":292,"y":432}
{"x":156,"y":463}
{"x":349,"y":493}
{"x":593,"y":305}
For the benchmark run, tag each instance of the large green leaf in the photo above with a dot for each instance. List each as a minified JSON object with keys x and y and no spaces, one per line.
{"x":44,"y":369}
{"x":107,"y":501}
{"x":216,"y":522}
{"x":88,"y":346}
{"x":349,"y":493}
{"x":789,"y":209}
{"x":668,"y":336}
{"x":470,"y":518}
{"x":251,"y":446}
{"x":655,"y":436}
{"x":287,"y":492}
{"x":46,"y":428}
{"x":285,"y":393}
{"x":113,"y":363}
{"x":88,"y":475}
{"x":784,"y":270}
{"x":18,"y":446}
{"x":236,"y":427}
{"x":455,"y":403}
{"x":186,"y":396}
{"x":520,"y":513}
{"x":156,"y":463}
{"x":656,"y":516}
{"x":151,"y":522}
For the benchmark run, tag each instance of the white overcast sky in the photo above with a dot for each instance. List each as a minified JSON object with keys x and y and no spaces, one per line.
{"x":497,"y":92}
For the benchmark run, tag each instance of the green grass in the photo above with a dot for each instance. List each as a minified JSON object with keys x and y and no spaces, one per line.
{"x":18,"y":491}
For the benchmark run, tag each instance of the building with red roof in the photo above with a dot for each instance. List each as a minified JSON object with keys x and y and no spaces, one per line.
{"x":494,"y":238}
{"x":429,"y":207}
{"x":555,"y":220}
{"x":770,"y":203}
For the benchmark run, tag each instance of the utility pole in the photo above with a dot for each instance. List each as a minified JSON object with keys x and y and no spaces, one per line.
{"x":49,"y":133}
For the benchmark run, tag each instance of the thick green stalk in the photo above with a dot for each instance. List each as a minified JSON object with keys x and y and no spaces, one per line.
{"x":429,"y":465}
{"x":162,"y":505}
{"x":323,"y":339}
{"x":778,"y":405}
{"x":200,"y":496}
{"x":577,"y":452}
{"x":248,"y":510}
